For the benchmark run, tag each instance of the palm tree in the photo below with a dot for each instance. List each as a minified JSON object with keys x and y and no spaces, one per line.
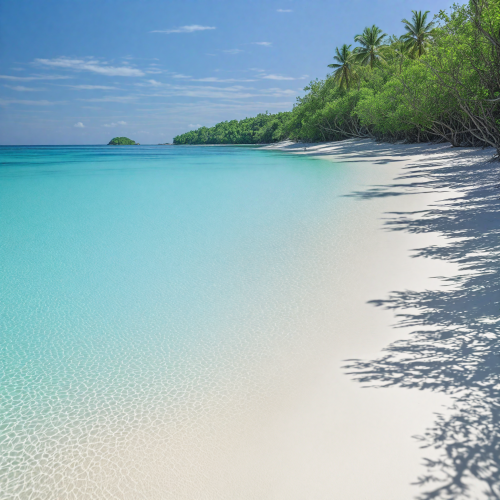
{"x":418,"y":33}
{"x":399,"y":48}
{"x":370,"y":52}
{"x":344,"y":72}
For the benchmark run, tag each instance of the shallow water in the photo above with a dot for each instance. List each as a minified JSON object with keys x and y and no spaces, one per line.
{"x":152,"y":298}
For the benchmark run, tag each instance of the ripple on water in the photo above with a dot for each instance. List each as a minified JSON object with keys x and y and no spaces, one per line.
{"x":152,"y":299}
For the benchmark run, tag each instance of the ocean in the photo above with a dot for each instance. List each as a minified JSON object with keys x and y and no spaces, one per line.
{"x":154,"y":301}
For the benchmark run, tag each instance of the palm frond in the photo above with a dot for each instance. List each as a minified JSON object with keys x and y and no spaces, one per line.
{"x":418,"y":32}
{"x":344,"y":71}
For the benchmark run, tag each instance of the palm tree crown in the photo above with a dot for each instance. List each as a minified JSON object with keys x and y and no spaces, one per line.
{"x":418,"y":33}
{"x":399,"y":49}
{"x":344,"y":70}
{"x":371,"y":41}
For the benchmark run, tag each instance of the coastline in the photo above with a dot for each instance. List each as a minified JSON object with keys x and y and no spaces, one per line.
{"x":320,"y":426}
{"x":437,"y":280}
{"x":364,"y":265}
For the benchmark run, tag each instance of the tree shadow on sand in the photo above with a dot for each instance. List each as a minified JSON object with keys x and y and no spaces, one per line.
{"x":454,"y":346}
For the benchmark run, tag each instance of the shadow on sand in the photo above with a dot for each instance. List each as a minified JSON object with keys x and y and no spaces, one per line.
{"x":454,"y":346}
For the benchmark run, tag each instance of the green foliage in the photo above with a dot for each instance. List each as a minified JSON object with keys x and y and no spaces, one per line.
{"x":121,"y":141}
{"x":418,"y":33}
{"x":370,"y":51}
{"x":264,"y":128}
{"x":440,"y":81}
{"x":344,"y":73}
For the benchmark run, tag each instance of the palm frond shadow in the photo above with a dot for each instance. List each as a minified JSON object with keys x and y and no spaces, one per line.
{"x":454,"y":346}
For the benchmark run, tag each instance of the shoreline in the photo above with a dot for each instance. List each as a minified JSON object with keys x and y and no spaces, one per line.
{"x":442,"y":202}
{"x":365,"y":265}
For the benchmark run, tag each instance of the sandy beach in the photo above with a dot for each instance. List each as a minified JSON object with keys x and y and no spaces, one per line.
{"x":379,"y":405}
{"x":426,"y":257}
{"x":393,"y":347}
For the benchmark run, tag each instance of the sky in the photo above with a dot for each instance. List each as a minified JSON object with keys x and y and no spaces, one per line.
{"x":85,"y":71}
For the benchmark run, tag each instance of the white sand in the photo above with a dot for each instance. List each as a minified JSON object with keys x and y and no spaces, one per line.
{"x":317,"y":434}
{"x":332,"y":438}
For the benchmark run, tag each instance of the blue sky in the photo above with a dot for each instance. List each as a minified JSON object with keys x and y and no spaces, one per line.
{"x":84,"y":71}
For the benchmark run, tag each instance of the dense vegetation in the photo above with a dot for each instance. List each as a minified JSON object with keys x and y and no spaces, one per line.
{"x":264,"y":128}
{"x":440,"y":81}
{"x":121,"y":141}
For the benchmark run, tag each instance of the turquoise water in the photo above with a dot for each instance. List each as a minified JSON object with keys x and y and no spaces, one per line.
{"x":144,"y":290}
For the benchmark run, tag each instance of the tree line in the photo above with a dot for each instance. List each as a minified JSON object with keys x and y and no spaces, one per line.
{"x":439,"y":81}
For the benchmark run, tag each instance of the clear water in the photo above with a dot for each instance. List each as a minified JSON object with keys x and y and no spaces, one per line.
{"x":148,"y":296}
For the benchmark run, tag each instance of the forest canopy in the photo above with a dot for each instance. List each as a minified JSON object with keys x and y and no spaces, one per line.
{"x":121,"y":141}
{"x":439,"y":81}
{"x":264,"y":128}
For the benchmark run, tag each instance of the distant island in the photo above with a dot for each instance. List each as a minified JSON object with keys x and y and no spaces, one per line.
{"x":122,"y":141}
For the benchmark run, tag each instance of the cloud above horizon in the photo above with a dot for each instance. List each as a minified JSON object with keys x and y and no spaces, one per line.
{"x":21,"y":88}
{"x":43,"y":102}
{"x":91,"y":87}
{"x":90,"y":64}
{"x":211,"y":92}
{"x":121,"y":99}
{"x":279,"y":77}
{"x":34,"y":77}
{"x":284,"y":10}
{"x":261,"y":75}
{"x":214,"y":79}
{"x":185,"y":29}
{"x":115,"y":124}
{"x":79,"y":125}
{"x":232,"y":51}
{"x":264,"y":44}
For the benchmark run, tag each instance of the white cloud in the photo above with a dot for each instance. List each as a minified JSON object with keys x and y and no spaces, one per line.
{"x":210,"y":92}
{"x":284,"y":10}
{"x":186,"y":29}
{"x":281,"y":92}
{"x":91,"y":87}
{"x":194,"y":126}
{"x":92,"y":65}
{"x":34,"y":77}
{"x":114,"y":124}
{"x":193,"y":108}
{"x":264,"y":44}
{"x":20,"y":88}
{"x":208,"y":79}
{"x":232,"y":51}
{"x":279,"y":77}
{"x":214,"y":79}
{"x":6,"y":102}
{"x":154,"y":83}
{"x":79,"y":125}
{"x":122,"y":99}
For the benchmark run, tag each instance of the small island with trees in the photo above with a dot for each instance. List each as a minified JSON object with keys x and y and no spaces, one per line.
{"x":122,"y":141}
